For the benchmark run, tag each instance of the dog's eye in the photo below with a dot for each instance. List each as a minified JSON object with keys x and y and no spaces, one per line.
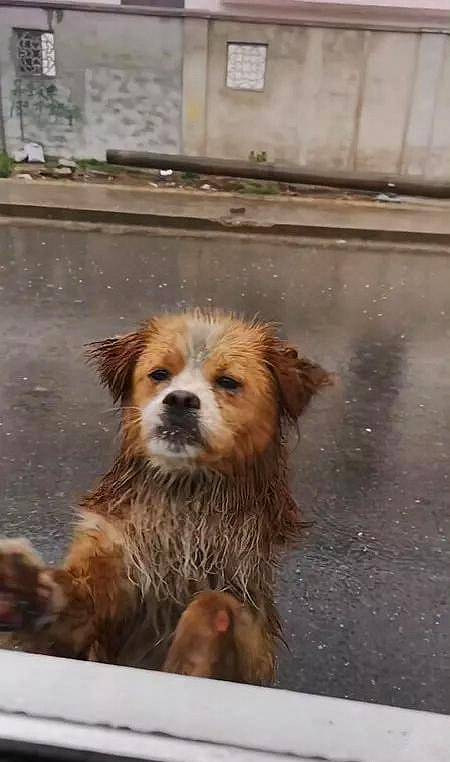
{"x":159,"y":375}
{"x":228,"y":383}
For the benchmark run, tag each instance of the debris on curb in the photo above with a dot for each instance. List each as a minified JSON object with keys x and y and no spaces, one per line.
{"x":31,"y":152}
{"x":93,"y":171}
{"x":389,"y":197}
{"x":19,"y":155}
{"x":69,"y":163}
{"x":35,"y":153}
{"x":62,"y":171}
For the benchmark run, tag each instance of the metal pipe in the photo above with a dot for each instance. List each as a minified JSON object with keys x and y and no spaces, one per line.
{"x":2,"y":121}
{"x":377,"y":183}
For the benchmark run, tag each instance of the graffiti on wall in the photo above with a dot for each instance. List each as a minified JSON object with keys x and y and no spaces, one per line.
{"x":42,"y":102}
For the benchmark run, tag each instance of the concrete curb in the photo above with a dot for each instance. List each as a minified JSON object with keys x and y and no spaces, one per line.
{"x":409,"y":221}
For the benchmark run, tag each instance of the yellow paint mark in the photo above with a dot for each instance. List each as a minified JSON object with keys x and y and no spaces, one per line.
{"x":193,"y":111}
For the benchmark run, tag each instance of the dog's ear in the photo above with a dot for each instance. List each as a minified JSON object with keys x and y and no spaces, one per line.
{"x":115,"y":359}
{"x":298,"y":379}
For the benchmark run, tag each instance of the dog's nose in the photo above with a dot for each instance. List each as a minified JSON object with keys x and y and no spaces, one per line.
{"x":180,"y":401}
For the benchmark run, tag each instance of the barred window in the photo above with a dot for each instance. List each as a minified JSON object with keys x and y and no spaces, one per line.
{"x":36,"y":52}
{"x":246,"y":65}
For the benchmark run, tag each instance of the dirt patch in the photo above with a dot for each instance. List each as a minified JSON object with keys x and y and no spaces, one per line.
{"x":94,"y":172}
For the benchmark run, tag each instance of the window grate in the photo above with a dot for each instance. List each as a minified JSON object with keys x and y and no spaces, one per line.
{"x":36,"y":52}
{"x":246,"y":65}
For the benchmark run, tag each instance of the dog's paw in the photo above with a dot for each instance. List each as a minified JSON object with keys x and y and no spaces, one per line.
{"x":28,"y":594}
{"x":203,"y":642}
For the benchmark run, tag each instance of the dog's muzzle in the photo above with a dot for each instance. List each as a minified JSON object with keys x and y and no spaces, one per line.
{"x":180,"y":420}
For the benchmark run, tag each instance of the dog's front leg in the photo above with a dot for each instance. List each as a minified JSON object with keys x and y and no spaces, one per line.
{"x":219,"y":637}
{"x":59,"y":611}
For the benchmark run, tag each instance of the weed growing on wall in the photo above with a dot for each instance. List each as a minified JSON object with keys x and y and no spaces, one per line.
{"x":6,"y":165}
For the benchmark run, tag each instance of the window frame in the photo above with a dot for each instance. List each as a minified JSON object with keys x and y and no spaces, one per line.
{"x":246,"y":43}
{"x":18,"y":31}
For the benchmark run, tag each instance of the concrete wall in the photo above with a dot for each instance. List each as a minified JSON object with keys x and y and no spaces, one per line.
{"x":346,"y":99}
{"x":118,"y":83}
{"x":334,"y":98}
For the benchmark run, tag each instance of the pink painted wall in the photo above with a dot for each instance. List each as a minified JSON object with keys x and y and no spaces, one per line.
{"x":288,"y":7}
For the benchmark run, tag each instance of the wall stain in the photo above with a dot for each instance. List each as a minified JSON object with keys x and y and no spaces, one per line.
{"x":43,"y":102}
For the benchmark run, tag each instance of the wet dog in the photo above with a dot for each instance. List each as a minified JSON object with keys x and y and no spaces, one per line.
{"x":173,"y":561}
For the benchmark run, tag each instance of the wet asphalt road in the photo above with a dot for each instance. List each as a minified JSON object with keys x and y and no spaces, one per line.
{"x":365,"y":599}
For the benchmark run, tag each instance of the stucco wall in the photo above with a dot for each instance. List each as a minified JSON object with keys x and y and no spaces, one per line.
{"x":334,"y":98}
{"x":118,"y":83}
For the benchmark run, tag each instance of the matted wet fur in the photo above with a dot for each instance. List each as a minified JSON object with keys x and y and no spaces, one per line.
{"x":193,"y":515}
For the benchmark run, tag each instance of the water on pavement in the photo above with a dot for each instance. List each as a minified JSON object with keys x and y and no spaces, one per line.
{"x":365,"y":598}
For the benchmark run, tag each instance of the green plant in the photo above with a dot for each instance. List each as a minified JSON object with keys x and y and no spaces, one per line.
{"x":100,"y":166}
{"x":190,"y":177}
{"x":259,"y":156}
{"x":6,"y":165}
{"x":260,"y":188}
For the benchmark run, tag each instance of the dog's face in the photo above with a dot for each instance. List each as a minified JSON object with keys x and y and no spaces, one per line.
{"x":205,"y":390}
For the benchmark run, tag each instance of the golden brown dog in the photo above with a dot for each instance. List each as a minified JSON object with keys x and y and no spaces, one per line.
{"x":172,"y":564}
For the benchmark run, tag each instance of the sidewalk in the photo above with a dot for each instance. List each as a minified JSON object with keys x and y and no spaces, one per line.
{"x":406,"y":219}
